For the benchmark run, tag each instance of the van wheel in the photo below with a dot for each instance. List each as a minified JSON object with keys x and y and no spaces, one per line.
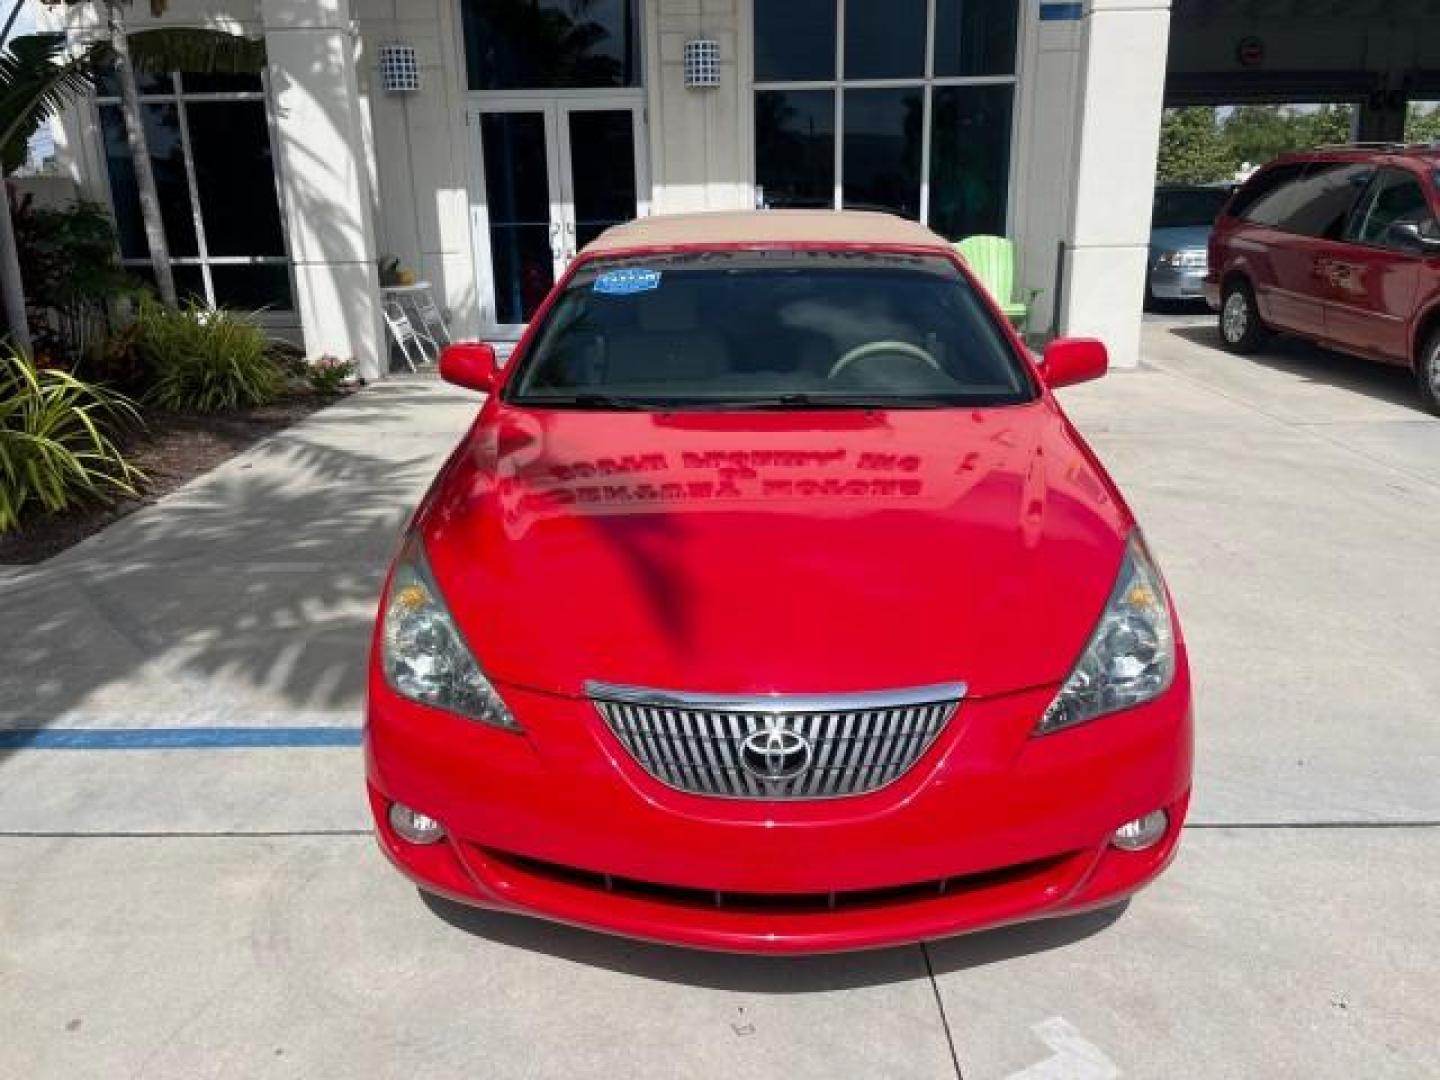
{"x":1427,"y":372}
{"x":1240,"y":327}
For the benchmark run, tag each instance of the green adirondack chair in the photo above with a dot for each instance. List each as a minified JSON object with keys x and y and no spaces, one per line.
{"x":992,"y":260}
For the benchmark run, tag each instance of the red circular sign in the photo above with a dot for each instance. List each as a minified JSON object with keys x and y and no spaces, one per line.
{"x":1250,"y":52}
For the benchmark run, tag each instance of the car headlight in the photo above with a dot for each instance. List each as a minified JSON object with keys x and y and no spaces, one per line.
{"x":1194,"y":257}
{"x":1130,"y":657}
{"x":423,"y":652}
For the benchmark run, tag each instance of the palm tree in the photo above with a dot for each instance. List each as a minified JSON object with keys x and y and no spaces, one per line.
{"x":35,"y":81}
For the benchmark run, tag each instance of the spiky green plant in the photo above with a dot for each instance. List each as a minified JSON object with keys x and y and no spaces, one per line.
{"x":203,"y":360}
{"x":56,"y":441}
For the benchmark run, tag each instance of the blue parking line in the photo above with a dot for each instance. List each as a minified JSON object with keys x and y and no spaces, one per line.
{"x":196,"y":738}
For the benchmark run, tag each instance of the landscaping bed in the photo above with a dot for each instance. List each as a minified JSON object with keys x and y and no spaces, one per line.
{"x":121,"y":399}
{"x":174,"y":450}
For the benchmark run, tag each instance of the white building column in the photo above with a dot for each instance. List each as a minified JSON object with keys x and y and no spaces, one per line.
{"x":1117,"y":116}
{"x":320,"y":153}
{"x":699,"y":156}
{"x":1042,"y":187}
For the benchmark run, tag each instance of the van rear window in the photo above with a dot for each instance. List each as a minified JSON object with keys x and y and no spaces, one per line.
{"x":1263,"y":196}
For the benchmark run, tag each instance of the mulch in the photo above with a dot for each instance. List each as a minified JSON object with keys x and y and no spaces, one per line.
{"x":173,"y":450}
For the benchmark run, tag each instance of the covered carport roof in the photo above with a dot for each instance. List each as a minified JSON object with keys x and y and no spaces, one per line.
{"x":1380,"y":53}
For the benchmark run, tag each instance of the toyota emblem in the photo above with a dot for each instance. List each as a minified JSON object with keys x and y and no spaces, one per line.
{"x":775,"y":753}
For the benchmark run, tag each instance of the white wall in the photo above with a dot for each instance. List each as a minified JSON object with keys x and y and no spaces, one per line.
{"x":420,"y":151}
{"x":699,"y":150}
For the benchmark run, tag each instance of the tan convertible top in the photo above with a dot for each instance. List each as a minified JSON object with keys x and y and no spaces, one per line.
{"x":763,"y":227}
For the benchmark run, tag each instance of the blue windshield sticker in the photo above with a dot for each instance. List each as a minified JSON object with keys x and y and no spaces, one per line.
{"x":630,"y":280}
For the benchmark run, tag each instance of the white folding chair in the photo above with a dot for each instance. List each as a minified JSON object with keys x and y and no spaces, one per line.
{"x":432,"y":322}
{"x":402,"y":332}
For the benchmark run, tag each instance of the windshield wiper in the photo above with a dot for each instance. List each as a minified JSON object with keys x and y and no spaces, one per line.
{"x":843,"y":401}
{"x":591,"y":401}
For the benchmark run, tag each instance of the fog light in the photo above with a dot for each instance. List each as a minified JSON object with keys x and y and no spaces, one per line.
{"x":1141,"y":833}
{"x":413,"y":826}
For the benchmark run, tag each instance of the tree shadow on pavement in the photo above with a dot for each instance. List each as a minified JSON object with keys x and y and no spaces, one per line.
{"x":245,"y":598}
{"x":768,"y":974}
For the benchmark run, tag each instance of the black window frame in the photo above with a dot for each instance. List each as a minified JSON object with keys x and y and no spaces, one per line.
{"x":1381,"y":172}
{"x":837,"y":82}
{"x":194,"y":273}
{"x":477,"y":74}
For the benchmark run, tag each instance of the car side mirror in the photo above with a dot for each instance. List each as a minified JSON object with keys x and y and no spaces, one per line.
{"x":1414,"y":238}
{"x":471,"y":364}
{"x":1068,"y":361}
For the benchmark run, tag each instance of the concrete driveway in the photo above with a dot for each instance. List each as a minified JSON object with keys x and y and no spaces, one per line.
{"x":188,"y":888}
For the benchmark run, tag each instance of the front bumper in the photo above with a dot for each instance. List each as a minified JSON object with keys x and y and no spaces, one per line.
{"x":1177,"y":283}
{"x":991,"y":826}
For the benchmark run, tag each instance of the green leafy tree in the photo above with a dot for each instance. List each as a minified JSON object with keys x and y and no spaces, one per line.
{"x":1422,"y":123}
{"x":1257,"y":133}
{"x":1325,"y":126}
{"x":1191,"y":148}
{"x":1196,"y":146}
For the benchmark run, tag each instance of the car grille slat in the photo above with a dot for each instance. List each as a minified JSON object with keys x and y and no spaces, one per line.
{"x":695,"y":729}
{"x":780,"y":747}
{"x":674,"y":727}
{"x":878,"y":736}
{"x":824,"y":737}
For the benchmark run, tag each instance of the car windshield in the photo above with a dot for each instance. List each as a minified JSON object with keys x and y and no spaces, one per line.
{"x":1180,"y":208}
{"x":761,"y":329}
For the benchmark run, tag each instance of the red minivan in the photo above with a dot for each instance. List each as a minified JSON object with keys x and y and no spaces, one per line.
{"x":1341,"y":246}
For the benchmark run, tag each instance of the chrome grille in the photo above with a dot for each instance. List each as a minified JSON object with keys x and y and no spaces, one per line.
{"x":781,"y":747}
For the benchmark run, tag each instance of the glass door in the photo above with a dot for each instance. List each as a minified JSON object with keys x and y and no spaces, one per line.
{"x":554,"y":175}
{"x":604,"y":169}
{"x":519,"y":220}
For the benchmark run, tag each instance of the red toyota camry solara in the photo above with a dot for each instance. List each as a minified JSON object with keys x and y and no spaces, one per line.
{"x":772,"y":604}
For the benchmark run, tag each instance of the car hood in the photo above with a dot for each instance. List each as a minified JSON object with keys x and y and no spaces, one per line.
{"x":1181,"y":238}
{"x":803,"y":552}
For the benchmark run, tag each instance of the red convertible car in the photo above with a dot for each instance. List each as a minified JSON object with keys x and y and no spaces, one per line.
{"x":772,"y":604}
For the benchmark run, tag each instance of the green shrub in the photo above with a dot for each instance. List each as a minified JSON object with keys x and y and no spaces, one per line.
{"x":56,"y":446}
{"x":74,"y":283}
{"x":290,"y":359}
{"x":204,"y":360}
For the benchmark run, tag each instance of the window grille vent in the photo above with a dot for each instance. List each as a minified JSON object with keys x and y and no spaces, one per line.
{"x":702,"y":63}
{"x":399,"y":69}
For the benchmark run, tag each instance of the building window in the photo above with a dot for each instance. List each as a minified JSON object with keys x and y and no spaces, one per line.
{"x":550,"y":44}
{"x":897,"y":105}
{"x":209,"y":140}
